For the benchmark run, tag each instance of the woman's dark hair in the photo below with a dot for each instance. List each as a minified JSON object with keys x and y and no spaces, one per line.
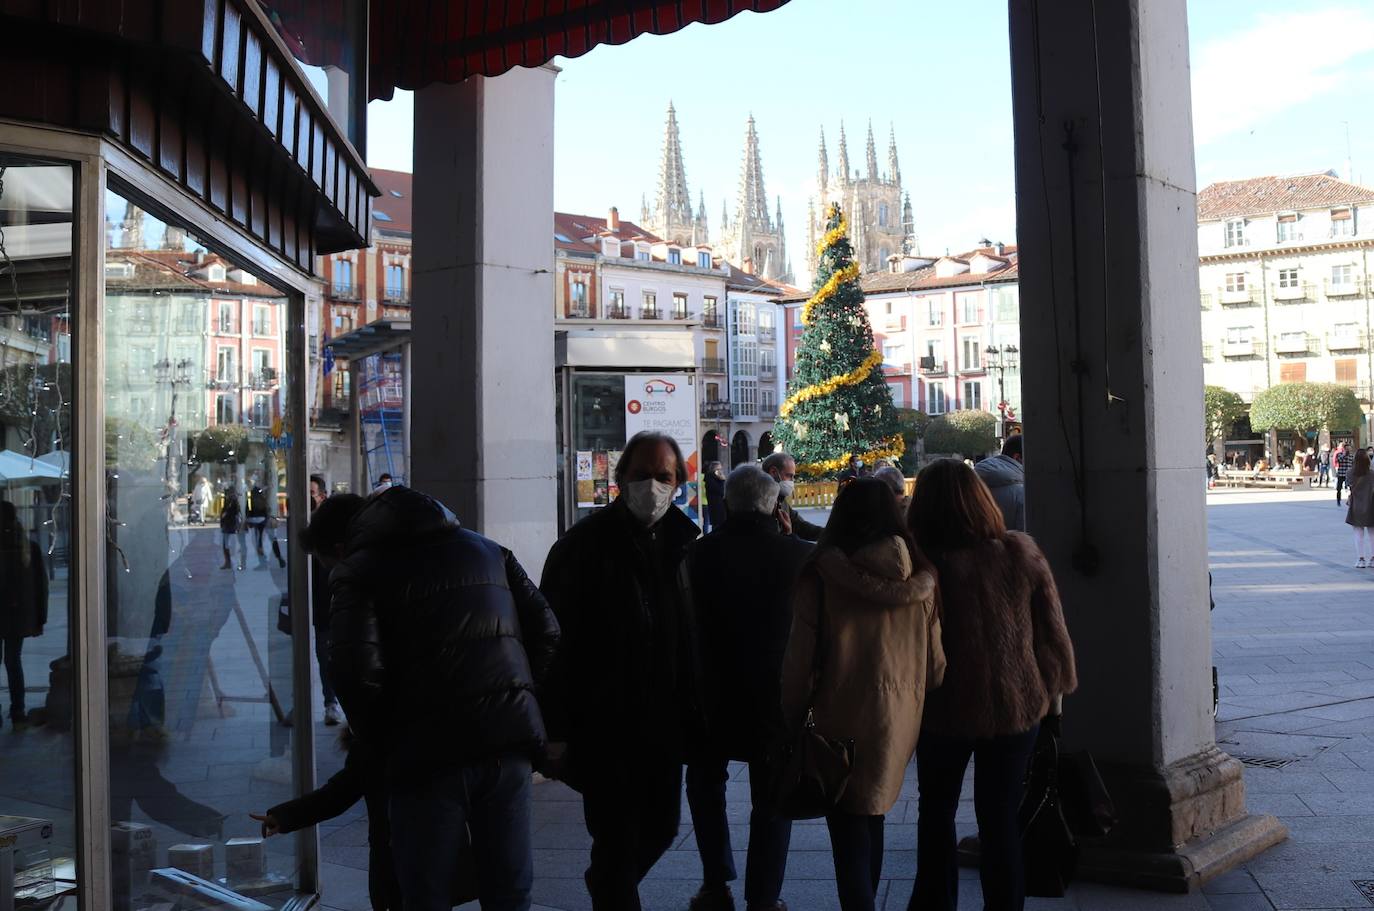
{"x":328,"y":526}
{"x":952,"y":508}
{"x":646,"y":438}
{"x":1361,"y":466}
{"x":864,"y":512}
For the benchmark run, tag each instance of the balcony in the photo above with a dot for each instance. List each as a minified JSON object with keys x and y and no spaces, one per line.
{"x":713,"y":364}
{"x":900,"y":368}
{"x":266,"y":378}
{"x":1237,"y":297}
{"x":396,"y":296}
{"x":681,"y":314}
{"x":768,"y":372}
{"x":768,"y":412}
{"x":582,"y":313}
{"x":719,"y":411}
{"x":262,"y":328}
{"x":710,"y":319}
{"x":972,"y":369}
{"x":1293,"y":294}
{"x":343,"y":292}
{"x":767,"y":333}
{"x":649,"y":314}
{"x":1345,"y":341}
{"x":1295,"y":344}
{"x":893,"y":322}
{"x":1352,"y":288}
{"x":1242,"y":350}
{"x":617,"y":313}
{"x":931,"y":367}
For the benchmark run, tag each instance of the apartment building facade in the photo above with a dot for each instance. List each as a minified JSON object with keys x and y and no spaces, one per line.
{"x":1285,"y":283}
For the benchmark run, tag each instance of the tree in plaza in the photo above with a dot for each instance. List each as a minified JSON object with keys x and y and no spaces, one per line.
{"x":839,"y":405}
{"x":1221,"y":409}
{"x":1306,"y":406}
{"x":912,"y":423}
{"x":968,"y":433}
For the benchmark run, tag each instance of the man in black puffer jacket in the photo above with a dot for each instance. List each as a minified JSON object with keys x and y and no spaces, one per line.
{"x":438,"y":643}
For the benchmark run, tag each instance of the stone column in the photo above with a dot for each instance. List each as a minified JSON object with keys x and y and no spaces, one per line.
{"x":482,"y":425}
{"x":1112,"y":355}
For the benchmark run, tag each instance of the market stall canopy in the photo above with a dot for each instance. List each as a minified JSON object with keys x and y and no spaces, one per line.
{"x":17,"y":468}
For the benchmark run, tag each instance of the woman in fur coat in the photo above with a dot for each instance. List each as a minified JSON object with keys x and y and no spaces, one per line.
{"x":863,"y":652}
{"x":1009,"y":660}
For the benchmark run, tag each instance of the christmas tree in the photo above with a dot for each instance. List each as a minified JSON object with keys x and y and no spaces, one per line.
{"x":838,"y":405}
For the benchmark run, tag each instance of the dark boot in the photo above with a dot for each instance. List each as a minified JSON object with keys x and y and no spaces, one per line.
{"x":226,"y":564}
{"x":276,"y":552}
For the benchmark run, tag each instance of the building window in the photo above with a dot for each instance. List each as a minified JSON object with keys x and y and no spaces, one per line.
{"x":578,"y":305}
{"x":1343,"y":275}
{"x":713,"y":392}
{"x":617,"y":303}
{"x":262,"y":411}
{"x":767,"y":360}
{"x":898,"y":391}
{"x":703,"y":259}
{"x":1293,"y":372}
{"x":1239,"y":335}
{"x":768,"y":401}
{"x":935,"y":398}
{"x":973,"y":396}
{"x":745,"y":319}
{"x":710,"y":311}
{"x":1346,"y":331}
{"x":1235,"y":233}
{"x":395,"y":281}
{"x":936,"y":312}
{"x":648,"y":307}
{"x":642,"y":253}
{"x":883,"y":254}
{"x":224,"y":409}
{"x":1342,"y":223}
{"x":882,"y":216}
{"x":968,"y":308}
{"x":1235,"y":282}
{"x":935,"y":350}
{"x":226,"y":370}
{"x":680,"y":306}
{"x":1288,"y":229}
{"x":262,"y":366}
{"x":1288,"y":278}
{"x":894,"y":354}
{"x":1347,"y":371}
{"x":674,"y":256}
{"x":765,"y":319}
{"x":225,"y":323}
{"x":1007,"y":310}
{"x":345,"y":320}
{"x":262,"y":320}
{"x":343,"y":278}
{"x":973,"y":354}
{"x":1293,"y":341}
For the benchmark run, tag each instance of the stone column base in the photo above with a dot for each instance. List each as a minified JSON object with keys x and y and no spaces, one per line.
{"x":1176,"y":828}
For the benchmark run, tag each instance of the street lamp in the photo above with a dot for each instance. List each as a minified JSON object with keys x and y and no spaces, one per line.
{"x":1003,"y":360}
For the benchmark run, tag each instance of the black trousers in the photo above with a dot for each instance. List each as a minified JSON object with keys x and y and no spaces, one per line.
{"x":1340,"y":485}
{"x":856,"y":842}
{"x":769,"y":833}
{"x":631,"y":804}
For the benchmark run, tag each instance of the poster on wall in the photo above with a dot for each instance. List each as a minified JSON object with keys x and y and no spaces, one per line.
{"x":612,"y":459}
{"x":600,"y":480}
{"x":667,"y":402}
{"x":585,"y":483}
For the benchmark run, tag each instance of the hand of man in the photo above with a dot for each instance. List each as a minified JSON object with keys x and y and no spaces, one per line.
{"x":555,"y":760}
{"x":270,"y":826}
{"x":784,"y":519}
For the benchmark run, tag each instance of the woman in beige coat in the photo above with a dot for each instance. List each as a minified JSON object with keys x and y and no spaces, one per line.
{"x":864,"y":648}
{"x":1010,"y":659}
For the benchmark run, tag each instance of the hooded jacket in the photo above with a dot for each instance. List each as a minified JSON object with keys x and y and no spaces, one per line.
{"x":865,"y":647}
{"x":438,"y":639}
{"x":1008,"y":648}
{"x":1006,"y":478}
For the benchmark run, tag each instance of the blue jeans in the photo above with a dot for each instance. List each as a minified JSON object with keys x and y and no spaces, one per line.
{"x":999,"y":769}
{"x":431,"y":820}
{"x":322,"y":660}
{"x":769,"y":833}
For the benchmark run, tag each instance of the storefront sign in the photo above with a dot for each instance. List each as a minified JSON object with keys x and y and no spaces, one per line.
{"x":667,"y":403}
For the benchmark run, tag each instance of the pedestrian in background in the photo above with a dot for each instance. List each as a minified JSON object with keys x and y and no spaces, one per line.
{"x":439,"y":645}
{"x":896,"y":481}
{"x":624,"y":699}
{"x":319,"y":613}
{"x":714,"y":496}
{"x":783,"y":469}
{"x":1342,"y":461}
{"x":231,"y":526}
{"x":1324,"y":466}
{"x":742,"y":578}
{"x":1360,"y":514}
{"x":864,"y":649}
{"x":23,"y":603}
{"x":1005,"y":476}
{"x":1009,"y":662}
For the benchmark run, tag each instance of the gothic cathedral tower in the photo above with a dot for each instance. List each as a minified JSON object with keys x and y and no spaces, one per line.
{"x":754,"y":239}
{"x":879,"y":214}
{"x":671,"y":217}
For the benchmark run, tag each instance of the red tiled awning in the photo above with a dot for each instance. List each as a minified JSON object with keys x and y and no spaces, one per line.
{"x":414,"y":43}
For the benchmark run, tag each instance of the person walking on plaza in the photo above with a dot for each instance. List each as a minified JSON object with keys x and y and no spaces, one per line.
{"x":1342,"y":461}
{"x":742,"y":576}
{"x":892,"y":476}
{"x":783,"y":469}
{"x":200,"y":501}
{"x":319,"y":613}
{"x":1360,"y":514}
{"x":23,"y":603}
{"x":624,"y":701}
{"x":1005,"y":477}
{"x":231,"y":526}
{"x":439,"y":645}
{"x":1010,"y":661}
{"x":1324,"y":466}
{"x":713,"y":495}
{"x":864,"y":649}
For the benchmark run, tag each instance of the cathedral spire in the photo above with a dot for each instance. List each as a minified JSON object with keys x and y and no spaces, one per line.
{"x":672,"y":215}
{"x":910,"y":243}
{"x":701,"y":218}
{"x":894,"y":172}
{"x":823,"y":173}
{"x":753,"y":202}
{"x":871,"y":155}
{"x":843,"y":168}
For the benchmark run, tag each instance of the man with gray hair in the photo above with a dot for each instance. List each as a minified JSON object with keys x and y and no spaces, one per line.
{"x":742,"y":577}
{"x":893,"y":477}
{"x":782,"y":468}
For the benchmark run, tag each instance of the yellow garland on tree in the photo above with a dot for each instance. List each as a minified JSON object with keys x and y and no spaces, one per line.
{"x":852,"y":378}
{"x":827,"y":291}
{"x":832,"y":237}
{"x":890,"y":448}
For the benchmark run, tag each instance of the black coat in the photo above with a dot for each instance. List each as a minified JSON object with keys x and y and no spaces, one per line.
{"x":807,"y":531}
{"x":626,"y":676}
{"x":438,"y":639}
{"x":715,"y":500}
{"x":23,"y":591}
{"x":742,"y":579}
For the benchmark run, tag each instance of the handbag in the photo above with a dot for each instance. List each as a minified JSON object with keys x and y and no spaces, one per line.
{"x":813,"y":771}
{"x":1088,"y":806}
{"x":1049,"y":850}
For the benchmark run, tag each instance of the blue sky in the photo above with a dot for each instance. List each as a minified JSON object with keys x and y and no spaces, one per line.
{"x":1274,"y":84}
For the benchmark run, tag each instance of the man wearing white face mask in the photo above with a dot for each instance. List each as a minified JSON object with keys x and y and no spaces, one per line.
{"x":623,"y":698}
{"x":783,"y":468}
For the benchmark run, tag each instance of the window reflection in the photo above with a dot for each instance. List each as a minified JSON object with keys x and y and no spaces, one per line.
{"x":36,"y":742}
{"x":196,"y":436}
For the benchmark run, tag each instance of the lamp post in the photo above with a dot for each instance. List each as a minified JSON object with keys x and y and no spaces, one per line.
{"x":1002,"y":360}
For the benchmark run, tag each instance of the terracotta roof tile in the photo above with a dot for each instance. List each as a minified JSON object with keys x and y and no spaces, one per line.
{"x":394,"y":203}
{"x":1267,"y":195}
{"x":570,"y":232}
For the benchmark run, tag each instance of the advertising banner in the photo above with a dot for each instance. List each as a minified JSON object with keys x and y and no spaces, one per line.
{"x":667,"y":403}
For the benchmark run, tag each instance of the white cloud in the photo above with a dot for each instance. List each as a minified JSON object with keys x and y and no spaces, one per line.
{"x":1279,"y":62}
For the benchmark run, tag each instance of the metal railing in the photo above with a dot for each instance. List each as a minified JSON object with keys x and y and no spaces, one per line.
{"x":617,"y":312}
{"x":767,"y":333}
{"x":713,"y":364}
{"x":969,"y":369}
{"x":710,"y":319}
{"x":768,"y":370}
{"x":768,"y":411}
{"x":934,"y":368}
{"x":342,"y":291}
{"x":1239,"y":297}
{"x":649,"y":314}
{"x":396,"y":296}
{"x":717,"y":410}
{"x":1293,"y":294}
